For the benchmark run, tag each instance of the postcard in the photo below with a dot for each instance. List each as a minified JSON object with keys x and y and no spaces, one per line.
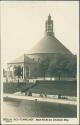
{"x":40,"y":62}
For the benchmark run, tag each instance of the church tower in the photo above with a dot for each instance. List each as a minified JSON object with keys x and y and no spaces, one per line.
{"x":49,"y":26}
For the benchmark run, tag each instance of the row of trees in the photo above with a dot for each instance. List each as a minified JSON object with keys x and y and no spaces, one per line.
{"x":53,"y":67}
{"x":59,"y":66}
{"x":18,"y":72}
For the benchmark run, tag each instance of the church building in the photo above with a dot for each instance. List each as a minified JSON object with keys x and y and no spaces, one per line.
{"x":48,"y":47}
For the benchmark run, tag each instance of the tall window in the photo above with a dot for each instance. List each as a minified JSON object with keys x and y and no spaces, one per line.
{"x":49,"y":27}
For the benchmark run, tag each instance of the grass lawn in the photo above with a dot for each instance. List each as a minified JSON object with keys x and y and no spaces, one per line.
{"x":15,"y":87}
{"x":66,"y":88}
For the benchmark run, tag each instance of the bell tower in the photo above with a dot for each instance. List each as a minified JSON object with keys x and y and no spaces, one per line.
{"x":49,"y":26}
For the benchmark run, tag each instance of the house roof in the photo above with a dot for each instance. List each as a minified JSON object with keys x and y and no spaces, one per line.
{"x":22,"y":59}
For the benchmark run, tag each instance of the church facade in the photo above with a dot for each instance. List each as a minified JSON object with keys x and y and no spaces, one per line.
{"x":48,"y":47}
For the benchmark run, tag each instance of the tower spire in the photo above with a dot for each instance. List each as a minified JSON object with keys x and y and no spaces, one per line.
{"x":49,"y":17}
{"x":49,"y":26}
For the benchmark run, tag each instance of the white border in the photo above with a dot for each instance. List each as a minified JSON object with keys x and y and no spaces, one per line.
{"x":70,"y":120}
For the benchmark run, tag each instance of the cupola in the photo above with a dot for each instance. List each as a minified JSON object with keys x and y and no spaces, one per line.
{"x":49,"y":26}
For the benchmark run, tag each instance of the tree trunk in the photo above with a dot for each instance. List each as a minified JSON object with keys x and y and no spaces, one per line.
{"x":59,"y":76}
{"x":18,"y":79}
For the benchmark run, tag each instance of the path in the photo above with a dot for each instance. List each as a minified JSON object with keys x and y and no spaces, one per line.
{"x":54,"y":100}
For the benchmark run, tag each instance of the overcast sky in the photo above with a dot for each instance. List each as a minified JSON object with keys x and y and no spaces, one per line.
{"x":23,"y":24}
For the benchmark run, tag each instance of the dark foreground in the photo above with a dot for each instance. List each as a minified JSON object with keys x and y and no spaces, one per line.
{"x":17,"y":108}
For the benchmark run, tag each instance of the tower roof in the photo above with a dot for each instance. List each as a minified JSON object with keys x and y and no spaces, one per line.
{"x":49,"y":17}
{"x":49,"y":44}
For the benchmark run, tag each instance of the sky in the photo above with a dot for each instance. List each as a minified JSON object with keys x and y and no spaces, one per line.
{"x":23,"y":25}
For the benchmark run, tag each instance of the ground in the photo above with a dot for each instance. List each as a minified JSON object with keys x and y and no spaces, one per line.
{"x":67,"y":88}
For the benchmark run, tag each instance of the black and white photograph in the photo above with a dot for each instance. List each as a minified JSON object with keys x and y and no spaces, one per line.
{"x":40,"y":69}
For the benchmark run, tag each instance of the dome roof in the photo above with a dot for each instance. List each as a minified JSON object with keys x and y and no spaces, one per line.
{"x":49,"y":44}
